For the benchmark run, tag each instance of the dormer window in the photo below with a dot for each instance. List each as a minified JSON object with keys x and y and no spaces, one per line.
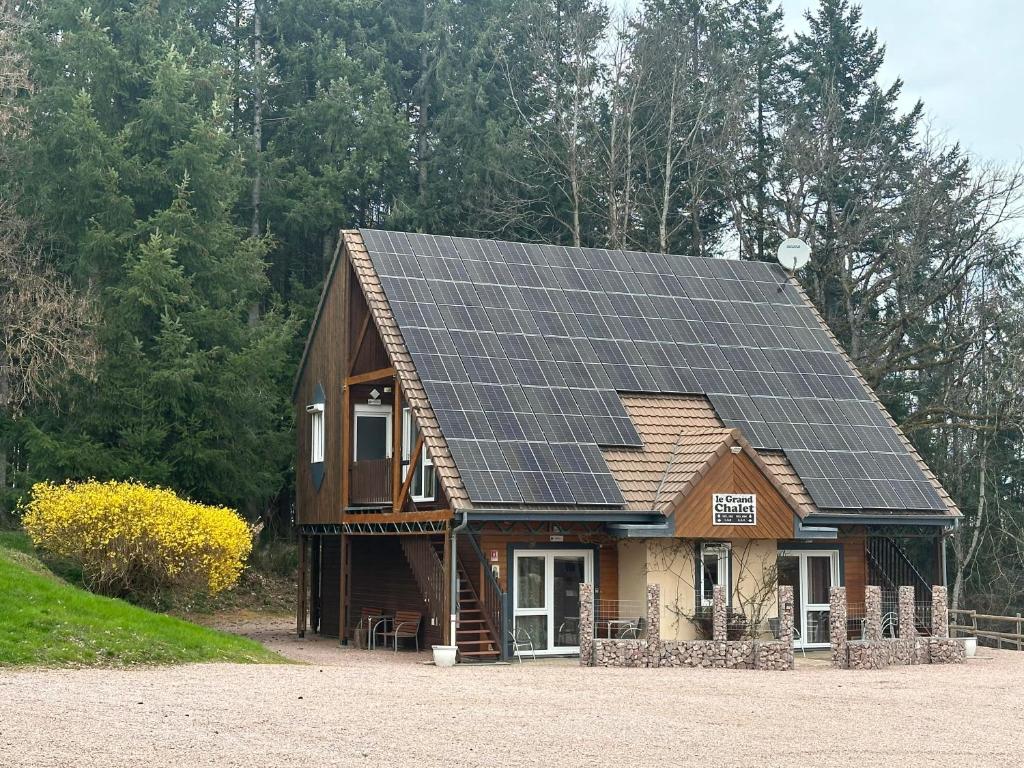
{"x":316,"y":443}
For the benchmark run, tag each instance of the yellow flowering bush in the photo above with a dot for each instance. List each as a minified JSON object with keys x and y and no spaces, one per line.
{"x":137,"y":541}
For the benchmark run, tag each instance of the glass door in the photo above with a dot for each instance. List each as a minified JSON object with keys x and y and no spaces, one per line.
{"x":547,"y":597}
{"x":812,"y":574}
{"x":372,"y":433}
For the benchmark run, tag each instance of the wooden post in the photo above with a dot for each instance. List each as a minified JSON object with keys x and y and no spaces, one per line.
{"x":346,"y":445}
{"x":396,"y":450}
{"x":300,"y":608}
{"x":342,"y":585}
{"x":314,"y":584}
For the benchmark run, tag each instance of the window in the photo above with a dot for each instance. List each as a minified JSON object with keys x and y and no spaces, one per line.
{"x":422,"y":488}
{"x":316,"y":444}
{"x":712,"y":571}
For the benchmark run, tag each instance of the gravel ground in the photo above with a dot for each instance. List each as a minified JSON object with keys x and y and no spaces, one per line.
{"x":346,"y":707}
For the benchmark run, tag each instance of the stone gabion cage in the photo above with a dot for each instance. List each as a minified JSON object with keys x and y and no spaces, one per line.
{"x":719,"y":652}
{"x":877,"y":652}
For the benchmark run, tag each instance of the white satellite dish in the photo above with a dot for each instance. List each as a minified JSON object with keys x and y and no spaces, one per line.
{"x":793,"y":254}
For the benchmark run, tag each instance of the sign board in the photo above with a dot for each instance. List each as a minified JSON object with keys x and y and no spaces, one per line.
{"x":734,"y":509}
{"x":556,"y":538}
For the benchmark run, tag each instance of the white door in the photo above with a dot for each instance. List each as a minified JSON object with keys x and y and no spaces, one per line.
{"x":812,"y":574}
{"x":546,"y":597}
{"x":372,"y":433}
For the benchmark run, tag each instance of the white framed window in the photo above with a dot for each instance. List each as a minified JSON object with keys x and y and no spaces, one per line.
{"x":423,"y":481}
{"x":712,"y":571}
{"x":372,"y":432}
{"x":316,"y":423}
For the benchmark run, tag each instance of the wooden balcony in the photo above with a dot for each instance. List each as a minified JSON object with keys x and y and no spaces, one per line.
{"x":370,"y":482}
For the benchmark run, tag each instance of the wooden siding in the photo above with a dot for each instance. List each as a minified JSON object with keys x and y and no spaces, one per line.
{"x":329,"y":582}
{"x":855,"y":566}
{"x":325,"y":365}
{"x":379,"y":577}
{"x":607,"y":553}
{"x":734,"y":473}
{"x":344,"y":343}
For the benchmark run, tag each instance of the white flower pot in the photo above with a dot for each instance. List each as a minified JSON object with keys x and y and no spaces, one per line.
{"x":444,"y":655}
{"x":970,"y":646}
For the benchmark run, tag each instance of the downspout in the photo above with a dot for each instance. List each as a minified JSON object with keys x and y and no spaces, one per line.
{"x":453,"y":600}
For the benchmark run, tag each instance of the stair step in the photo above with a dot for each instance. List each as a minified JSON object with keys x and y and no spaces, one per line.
{"x":480,"y":654}
{"x":488,"y":643}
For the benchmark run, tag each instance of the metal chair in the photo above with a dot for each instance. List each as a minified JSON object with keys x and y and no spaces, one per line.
{"x":775,"y":627}
{"x":368,"y":618}
{"x":891,"y":622}
{"x":568,"y":632}
{"x":407,"y":626}
{"x":634,"y":629}
{"x":520,"y":639}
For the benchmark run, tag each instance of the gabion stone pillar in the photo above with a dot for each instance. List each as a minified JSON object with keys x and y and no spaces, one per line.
{"x":653,"y":615}
{"x":720,"y":619}
{"x":908,"y":628}
{"x":586,"y":625}
{"x":940,"y":612}
{"x":837,"y":626}
{"x":785,"y":615}
{"x":872,"y":613}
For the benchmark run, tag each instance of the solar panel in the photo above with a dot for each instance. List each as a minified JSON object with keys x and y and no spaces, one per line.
{"x":522,"y":349}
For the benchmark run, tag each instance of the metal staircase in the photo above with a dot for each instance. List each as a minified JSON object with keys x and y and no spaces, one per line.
{"x":890,"y":568}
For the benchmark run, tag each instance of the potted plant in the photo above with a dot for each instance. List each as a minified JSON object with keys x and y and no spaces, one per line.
{"x":444,"y":655}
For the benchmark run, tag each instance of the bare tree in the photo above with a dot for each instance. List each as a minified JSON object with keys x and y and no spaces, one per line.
{"x":45,"y":324}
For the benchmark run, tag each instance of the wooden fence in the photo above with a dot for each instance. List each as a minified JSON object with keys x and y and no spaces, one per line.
{"x":990,"y":628}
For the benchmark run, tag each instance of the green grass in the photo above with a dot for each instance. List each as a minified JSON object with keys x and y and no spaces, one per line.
{"x":46,"y":622}
{"x":16,"y":540}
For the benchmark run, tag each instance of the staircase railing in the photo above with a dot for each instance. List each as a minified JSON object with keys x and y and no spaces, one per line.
{"x":428,"y":570}
{"x":492,"y":600}
{"x":889,"y":566}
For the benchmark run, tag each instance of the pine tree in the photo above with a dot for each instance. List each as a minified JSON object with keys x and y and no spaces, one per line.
{"x":131,"y":167}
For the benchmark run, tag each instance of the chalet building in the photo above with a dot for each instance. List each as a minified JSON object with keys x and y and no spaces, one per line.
{"x":485,"y":425}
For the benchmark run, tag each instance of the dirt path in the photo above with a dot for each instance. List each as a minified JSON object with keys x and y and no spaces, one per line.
{"x":373,"y":708}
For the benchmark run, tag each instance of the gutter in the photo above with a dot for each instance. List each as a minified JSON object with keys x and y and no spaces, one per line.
{"x":453,"y":599}
{"x":943,"y":521}
{"x":489,"y":514}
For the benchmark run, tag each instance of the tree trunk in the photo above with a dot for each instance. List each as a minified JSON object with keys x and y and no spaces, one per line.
{"x":257,"y":123}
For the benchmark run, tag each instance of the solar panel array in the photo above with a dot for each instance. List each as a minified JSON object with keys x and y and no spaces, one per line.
{"x":522,"y":349}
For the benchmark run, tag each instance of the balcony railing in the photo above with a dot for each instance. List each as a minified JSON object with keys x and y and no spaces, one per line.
{"x":370,"y":481}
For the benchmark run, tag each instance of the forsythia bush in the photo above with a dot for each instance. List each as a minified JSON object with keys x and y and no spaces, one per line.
{"x":136,"y":541}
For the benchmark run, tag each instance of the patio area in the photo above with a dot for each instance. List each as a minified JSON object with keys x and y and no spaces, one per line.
{"x":328,"y":711}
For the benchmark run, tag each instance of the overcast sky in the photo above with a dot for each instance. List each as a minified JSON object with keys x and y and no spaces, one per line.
{"x":963,"y":58}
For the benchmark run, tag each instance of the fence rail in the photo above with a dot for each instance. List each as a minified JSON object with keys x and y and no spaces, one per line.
{"x":968,"y":625}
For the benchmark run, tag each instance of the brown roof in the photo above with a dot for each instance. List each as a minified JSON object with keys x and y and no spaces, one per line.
{"x":405,"y":371}
{"x":786,"y":475}
{"x":682,"y":439}
{"x":679,"y":432}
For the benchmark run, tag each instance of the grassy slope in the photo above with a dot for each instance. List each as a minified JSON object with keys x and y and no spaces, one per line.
{"x":47,"y":622}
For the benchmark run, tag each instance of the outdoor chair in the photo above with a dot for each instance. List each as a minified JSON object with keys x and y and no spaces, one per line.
{"x":368,"y":618}
{"x":891,"y":624}
{"x":568,"y":632}
{"x":521,"y":640}
{"x":406,"y":627}
{"x":775,"y":627}
{"x":634,"y":629}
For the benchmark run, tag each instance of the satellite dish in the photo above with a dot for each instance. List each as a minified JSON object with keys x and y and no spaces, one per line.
{"x":793,"y":254}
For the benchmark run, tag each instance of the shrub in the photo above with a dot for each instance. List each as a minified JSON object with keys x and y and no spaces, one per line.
{"x":135,"y":541}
